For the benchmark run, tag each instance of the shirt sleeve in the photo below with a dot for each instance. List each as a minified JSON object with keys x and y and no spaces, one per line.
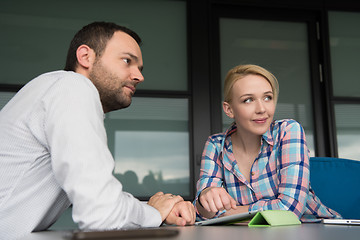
{"x":82,"y":162}
{"x":293,"y":172}
{"x":210,"y":171}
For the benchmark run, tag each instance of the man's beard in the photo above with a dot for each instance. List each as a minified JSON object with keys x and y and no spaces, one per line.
{"x":111,"y":98}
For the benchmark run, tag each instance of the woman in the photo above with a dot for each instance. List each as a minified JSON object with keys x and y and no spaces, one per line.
{"x":258,"y":163}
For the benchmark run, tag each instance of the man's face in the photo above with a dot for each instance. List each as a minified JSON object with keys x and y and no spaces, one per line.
{"x":117,"y":72}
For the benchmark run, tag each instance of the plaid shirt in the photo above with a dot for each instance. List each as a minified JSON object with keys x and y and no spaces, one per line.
{"x":279,"y":176}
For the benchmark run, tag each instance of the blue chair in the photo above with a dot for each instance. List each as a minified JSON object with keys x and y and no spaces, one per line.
{"x":336,"y":182}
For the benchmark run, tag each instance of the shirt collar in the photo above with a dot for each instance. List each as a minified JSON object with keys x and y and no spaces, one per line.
{"x":267,"y":136}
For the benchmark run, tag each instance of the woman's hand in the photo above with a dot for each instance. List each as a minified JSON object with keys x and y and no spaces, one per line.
{"x":239,"y":209}
{"x":214,"y":199}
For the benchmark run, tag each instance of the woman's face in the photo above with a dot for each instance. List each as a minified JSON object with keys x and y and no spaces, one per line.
{"x":252,"y":105}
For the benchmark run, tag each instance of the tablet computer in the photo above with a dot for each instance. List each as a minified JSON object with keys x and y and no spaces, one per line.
{"x":124,"y":234}
{"x":227,"y":219}
{"x":342,"y":221}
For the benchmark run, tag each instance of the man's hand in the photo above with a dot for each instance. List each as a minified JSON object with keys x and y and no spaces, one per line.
{"x":183,"y":213}
{"x":164,"y":203}
{"x":214,"y":199}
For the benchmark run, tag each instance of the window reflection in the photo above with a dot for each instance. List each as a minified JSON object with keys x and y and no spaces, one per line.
{"x":147,"y":162}
{"x":347,"y":118}
{"x":150,"y":144}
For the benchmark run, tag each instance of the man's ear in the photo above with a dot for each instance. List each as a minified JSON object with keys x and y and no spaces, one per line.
{"x":228,"y":110}
{"x":85,"y":56}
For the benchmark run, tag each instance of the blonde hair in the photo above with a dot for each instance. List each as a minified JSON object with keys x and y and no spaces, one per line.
{"x":241,"y":71}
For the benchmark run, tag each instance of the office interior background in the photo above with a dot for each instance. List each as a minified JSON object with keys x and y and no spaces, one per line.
{"x":311,"y":46}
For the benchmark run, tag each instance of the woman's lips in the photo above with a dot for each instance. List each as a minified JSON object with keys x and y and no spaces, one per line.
{"x":260,"y":120}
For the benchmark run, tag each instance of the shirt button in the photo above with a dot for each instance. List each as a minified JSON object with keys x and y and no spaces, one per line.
{"x":252,"y":173}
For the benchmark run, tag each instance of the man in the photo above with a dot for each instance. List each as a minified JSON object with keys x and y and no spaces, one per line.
{"x":53,"y":147}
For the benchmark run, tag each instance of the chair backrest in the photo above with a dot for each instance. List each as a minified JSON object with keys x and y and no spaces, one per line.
{"x":336,"y":182}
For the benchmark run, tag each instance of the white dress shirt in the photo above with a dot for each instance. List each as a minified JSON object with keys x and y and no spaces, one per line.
{"x":53,"y":153}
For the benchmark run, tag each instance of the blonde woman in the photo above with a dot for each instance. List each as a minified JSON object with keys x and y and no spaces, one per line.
{"x":258,"y":163}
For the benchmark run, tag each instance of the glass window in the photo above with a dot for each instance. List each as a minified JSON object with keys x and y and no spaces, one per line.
{"x":347,"y":118}
{"x":150,"y":144}
{"x":5,"y":97}
{"x":273,"y":45}
{"x":345,"y":50}
{"x":35,"y":36}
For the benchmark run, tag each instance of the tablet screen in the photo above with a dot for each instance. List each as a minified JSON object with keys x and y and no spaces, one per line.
{"x":228,"y":219}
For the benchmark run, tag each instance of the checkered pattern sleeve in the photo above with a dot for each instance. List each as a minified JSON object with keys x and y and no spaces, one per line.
{"x":211,"y":171}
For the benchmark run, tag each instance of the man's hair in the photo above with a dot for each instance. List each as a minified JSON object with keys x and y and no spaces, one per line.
{"x":95,"y":35}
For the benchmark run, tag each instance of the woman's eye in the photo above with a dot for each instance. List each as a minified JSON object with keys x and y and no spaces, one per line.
{"x":248,"y":100}
{"x":268,"y":98}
